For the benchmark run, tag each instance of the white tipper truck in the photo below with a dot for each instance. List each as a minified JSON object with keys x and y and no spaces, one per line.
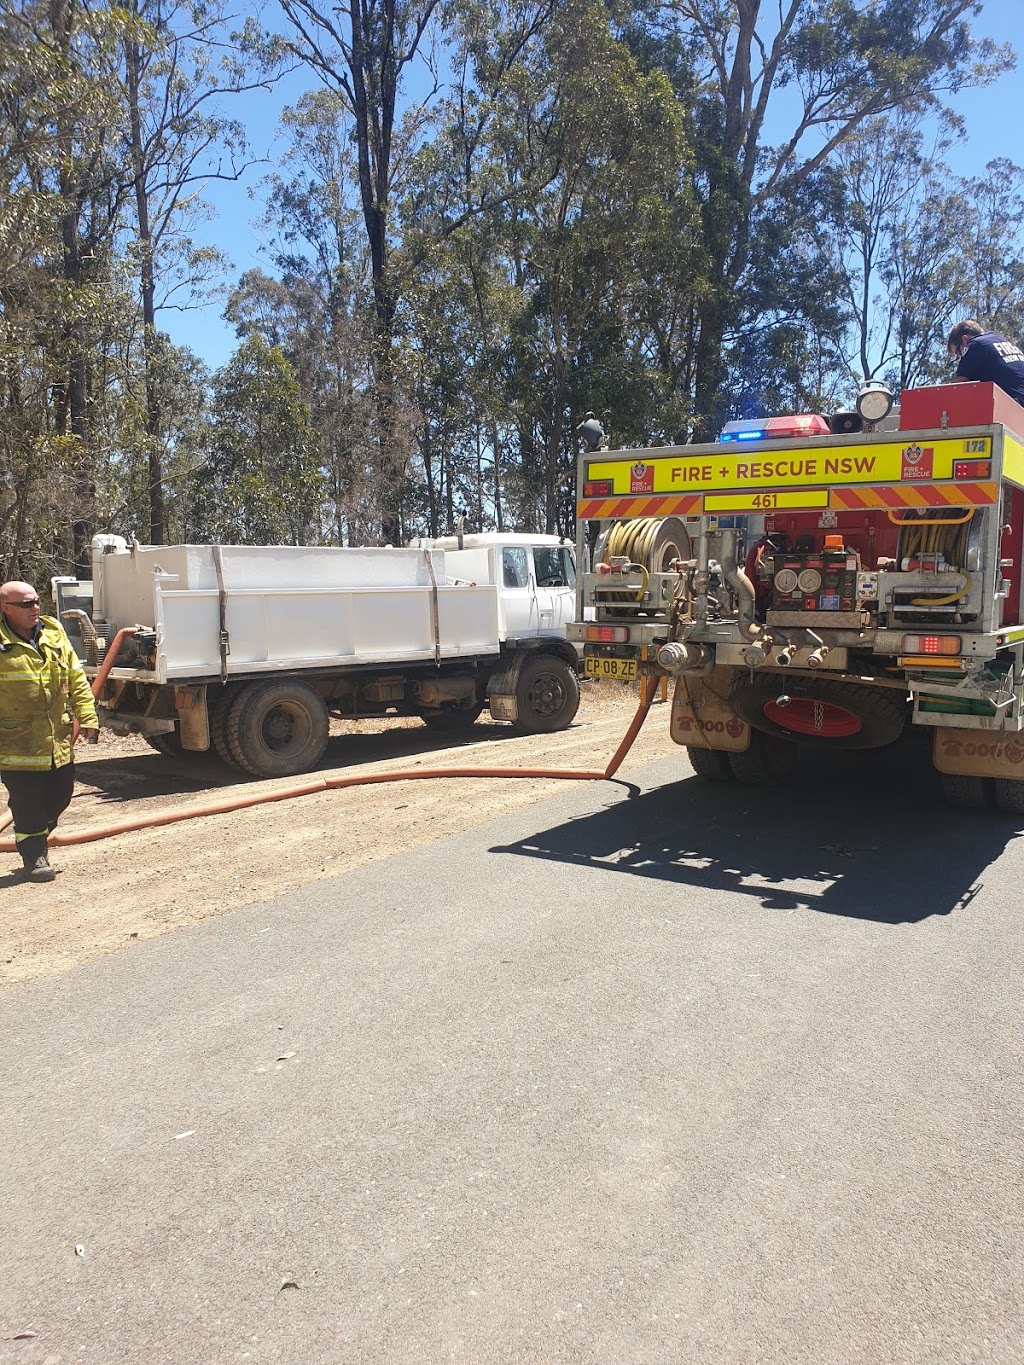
{"x":249,"y":650}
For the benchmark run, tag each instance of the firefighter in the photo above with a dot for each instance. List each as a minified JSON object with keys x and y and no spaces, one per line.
{"x":988,"y":357}
{"x":41,"y":684}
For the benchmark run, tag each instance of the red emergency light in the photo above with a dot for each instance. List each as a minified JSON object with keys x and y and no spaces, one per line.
{"x":776,"y":428}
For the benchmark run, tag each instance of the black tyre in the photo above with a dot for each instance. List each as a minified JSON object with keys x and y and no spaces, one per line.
{"x":1009,"y":795}
{"x":277,"y":729}
{"x":767,"y":763}
{"x":968,"y":793}
{"x":547,"y":695}
{"x":711,"y":764}
{"x":452,"y":722}
{"x":820,"y":711}
{"x":219,"y":708}
{"x":168,"y":743}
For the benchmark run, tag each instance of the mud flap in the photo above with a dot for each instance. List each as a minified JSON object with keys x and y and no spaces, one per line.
{"x":978,"y":753}
{"x":193,"y":720}
{"x":501,"y":693}
{"x":702,"y":716}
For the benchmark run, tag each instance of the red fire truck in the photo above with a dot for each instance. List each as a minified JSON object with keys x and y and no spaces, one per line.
{"x":821,"y":581}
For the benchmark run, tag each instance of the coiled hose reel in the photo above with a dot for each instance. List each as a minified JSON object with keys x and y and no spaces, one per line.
{"x":941,"y":534}
{"x":653,"y":542}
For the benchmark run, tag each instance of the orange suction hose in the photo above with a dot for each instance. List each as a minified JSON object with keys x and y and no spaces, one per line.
{"x":109,"y":659}
{"x":320,"y":784}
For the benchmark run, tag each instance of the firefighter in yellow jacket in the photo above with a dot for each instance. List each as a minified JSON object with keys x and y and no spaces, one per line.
{"x":42,"y":688}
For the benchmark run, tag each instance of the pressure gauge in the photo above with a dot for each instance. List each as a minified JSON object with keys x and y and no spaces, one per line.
{"x":874,"y":402}
{"x":809,"y":581}
{"x":785,"y":581}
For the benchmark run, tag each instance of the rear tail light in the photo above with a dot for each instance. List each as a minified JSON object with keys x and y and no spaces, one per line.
{"x":930,"y":644}
{"x":608,"y":635}
{"x":972,"y":469}
{"x":598,"y":488}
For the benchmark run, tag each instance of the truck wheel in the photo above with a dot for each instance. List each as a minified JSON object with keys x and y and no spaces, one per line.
{"x":969,"y":793}
{"x":711,"y":764}
{"x":218,"y":711}
{"x":767,"y":763}
{"x":277,"y":729}
{"x":547,"y":695}
{"x":169,"y":744}
{"x":452,"y":722}
{"x":1009,"y":795}
{"x":821,"y":711}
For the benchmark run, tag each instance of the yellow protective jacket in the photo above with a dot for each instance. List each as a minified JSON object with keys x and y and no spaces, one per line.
{"x":40,"y":693}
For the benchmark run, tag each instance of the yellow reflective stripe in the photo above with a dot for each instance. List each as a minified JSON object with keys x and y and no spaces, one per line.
{"x":34,"y":835}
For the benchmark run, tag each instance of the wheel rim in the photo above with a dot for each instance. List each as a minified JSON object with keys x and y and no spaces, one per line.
{"x":820,"y":719}
{"x":545,"y":696}
{"x":286,"y":727}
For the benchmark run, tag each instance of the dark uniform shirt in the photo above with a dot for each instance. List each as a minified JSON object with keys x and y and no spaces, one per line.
{"x":994,"y":360}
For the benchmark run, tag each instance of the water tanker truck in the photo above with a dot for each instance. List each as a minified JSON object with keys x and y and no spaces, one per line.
{"x":249,"y":650}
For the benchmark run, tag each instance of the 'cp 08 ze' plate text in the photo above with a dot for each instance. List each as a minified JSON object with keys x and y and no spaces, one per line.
{"x":599,"y":666}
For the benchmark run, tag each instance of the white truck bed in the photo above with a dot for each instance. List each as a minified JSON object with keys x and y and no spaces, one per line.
{"x":289,"y":607}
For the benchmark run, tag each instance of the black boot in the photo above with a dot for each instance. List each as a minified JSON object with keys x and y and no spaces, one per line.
{"x":41,"y":871}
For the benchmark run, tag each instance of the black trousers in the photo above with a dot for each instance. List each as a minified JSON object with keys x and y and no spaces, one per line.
{"x":37,"y":801}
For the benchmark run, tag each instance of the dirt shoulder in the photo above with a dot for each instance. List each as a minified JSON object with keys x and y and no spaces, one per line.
{"x":117,"y":891}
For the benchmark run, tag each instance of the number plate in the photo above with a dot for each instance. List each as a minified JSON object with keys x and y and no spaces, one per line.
{"x":601,"y":666}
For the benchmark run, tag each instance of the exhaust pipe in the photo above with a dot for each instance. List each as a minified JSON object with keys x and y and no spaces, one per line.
{"x":741,"y":586}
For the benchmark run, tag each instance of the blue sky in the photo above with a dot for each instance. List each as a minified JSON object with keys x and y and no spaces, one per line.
{"x":993,"y":129}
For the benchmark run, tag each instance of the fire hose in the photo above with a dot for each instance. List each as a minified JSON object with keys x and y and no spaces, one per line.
{"x":322,"y":784}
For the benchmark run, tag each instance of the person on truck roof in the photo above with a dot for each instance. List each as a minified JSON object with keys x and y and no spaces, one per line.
{"x":988,"y":357}
{"x":42,"y":686}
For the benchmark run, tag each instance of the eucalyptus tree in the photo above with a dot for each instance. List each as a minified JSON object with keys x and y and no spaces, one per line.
{"x":177,"y":67}
{"x":917,"y":247}
{"x":364,"y":51}
{"x":990,"y":236}
{"x":778,"y":90}
{"x":260,"y":483}
{"x":546,"y":181}
{"x":315,"y":308}
{"x":61,"y":197}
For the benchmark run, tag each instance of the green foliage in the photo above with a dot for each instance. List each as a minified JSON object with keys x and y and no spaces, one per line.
{"x":260,"y":483}
{"x":586,"y":210}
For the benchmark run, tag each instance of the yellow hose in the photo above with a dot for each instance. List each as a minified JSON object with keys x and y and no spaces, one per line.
{"x":937,"y":536}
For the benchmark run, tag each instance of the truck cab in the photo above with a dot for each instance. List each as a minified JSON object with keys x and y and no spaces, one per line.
{"x":535,"y":577}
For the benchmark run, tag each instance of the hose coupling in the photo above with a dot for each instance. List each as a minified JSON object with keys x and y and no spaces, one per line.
{"x":683,"y":657}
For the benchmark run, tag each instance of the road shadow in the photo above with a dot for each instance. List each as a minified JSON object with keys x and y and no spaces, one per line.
{"x":866,"y":836}
{"x":141,"y":776}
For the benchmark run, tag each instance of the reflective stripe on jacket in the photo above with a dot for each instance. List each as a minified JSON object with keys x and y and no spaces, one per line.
{"x":41,"y":691}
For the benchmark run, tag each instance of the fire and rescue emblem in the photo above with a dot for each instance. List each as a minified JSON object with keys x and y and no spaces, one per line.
{"x":641,"y":478}
{"x":917,"y":462}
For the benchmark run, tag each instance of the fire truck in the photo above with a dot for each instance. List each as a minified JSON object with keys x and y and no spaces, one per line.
{"x":824,"y":581}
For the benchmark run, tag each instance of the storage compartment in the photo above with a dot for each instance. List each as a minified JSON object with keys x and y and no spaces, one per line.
{"x":958,"y":405}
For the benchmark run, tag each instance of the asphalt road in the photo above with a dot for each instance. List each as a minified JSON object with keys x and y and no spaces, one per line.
{"x":658,"y":1073}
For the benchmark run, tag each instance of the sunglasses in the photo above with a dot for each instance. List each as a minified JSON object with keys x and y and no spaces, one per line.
{"x":32,"y":602}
